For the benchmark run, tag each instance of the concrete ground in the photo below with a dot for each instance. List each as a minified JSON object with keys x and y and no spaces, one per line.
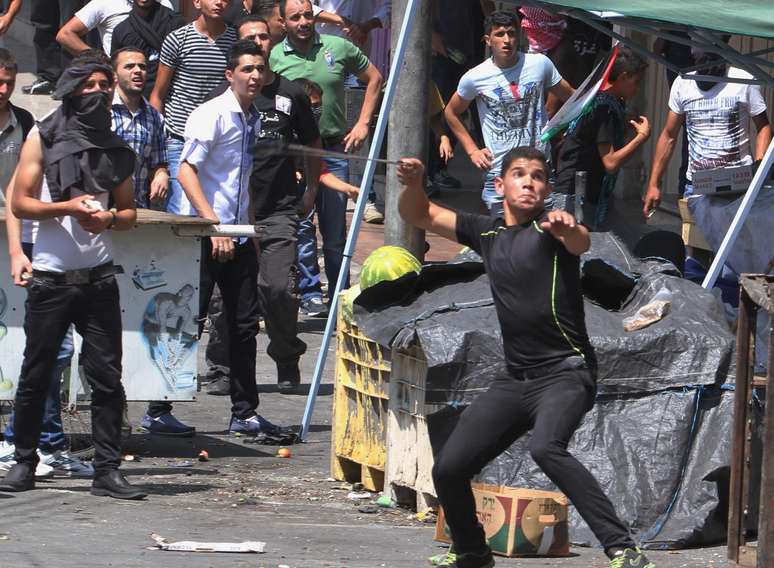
{"x":244,"y":492}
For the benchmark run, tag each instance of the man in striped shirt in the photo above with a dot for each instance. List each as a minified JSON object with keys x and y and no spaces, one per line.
{"x":191,"y":65}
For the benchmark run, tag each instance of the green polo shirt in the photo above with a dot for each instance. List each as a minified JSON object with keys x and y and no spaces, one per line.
{"x":327,"y":63}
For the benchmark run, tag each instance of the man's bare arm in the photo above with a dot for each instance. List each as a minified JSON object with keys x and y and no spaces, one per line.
{"x":160,"y":89}
{"x":763,"y":138}
{"x":70,"y":36}
{"x":414,"y":206}
{"x":664,"y":149}
{"x":20,"y":264}
{"x":359,"y":132}
{"x":481,"y":158}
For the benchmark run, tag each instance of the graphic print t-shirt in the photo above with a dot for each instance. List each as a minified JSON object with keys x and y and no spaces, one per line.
{"x":716,"y":121}
{"x":510,"y":101}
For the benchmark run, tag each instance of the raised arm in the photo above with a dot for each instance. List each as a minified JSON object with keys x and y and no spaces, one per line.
{"x":664,"y":149}
{"x":613,"y":159}
{"x":414,"y":206}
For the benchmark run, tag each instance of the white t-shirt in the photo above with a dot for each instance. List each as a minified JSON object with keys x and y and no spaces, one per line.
{"x":716,"y":120}
{"x":105,"y":15}
{"x":510,"y":101}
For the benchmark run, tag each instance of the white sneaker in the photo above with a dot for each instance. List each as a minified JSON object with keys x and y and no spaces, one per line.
{"x":372,"y":215}
{"x":6,"y":461}
{"x":65,"y":465}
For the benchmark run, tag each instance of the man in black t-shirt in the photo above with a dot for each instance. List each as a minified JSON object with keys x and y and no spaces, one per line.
{"x":532,"y":259}
{"x":596,"y":142}
{"x":276,"y":199}
{"x":146,"y":27}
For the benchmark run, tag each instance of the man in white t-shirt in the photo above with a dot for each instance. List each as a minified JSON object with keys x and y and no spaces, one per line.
{"x":715,"y":116}
{"x":104,"y":15}
{"x":509,"y":89}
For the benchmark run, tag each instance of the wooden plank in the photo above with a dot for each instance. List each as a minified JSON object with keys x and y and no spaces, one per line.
{"x":149,"y":217}
{"x":737,"y":499}
{"x":766,"y":519}
{"x":692,"y":236}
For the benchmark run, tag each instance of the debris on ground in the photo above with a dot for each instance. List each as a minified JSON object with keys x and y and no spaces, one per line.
{"x":192,"y":546}
{"x":386,"y":502}
{"x":204,"y":456}
{"x":358,"y":495}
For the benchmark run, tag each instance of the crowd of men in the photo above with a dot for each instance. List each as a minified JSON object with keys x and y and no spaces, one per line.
{"x":184,"y":116}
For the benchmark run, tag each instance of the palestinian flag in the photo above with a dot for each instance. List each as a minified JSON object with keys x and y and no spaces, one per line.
{"x":580,"y":101}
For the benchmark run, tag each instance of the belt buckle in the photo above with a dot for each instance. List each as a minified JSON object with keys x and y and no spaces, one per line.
{"x":82,"y":276}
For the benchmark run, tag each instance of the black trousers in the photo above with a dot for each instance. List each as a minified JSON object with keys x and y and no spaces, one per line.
{"x":277,"y":297}
{"x":552,"y":406}
{"x":48,"y":16}
{"x":95,"y":311}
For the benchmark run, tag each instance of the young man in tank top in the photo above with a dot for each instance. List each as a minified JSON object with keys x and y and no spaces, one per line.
{"x":67,"y":172}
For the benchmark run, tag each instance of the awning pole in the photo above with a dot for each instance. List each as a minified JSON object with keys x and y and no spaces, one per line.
{"x":368,"y":176}
{"x":739,"y":218}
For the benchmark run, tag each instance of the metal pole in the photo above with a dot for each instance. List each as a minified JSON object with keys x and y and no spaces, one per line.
{"x":389,"y":94}
{"x":408,"y":134}
{"x":739,"y":218}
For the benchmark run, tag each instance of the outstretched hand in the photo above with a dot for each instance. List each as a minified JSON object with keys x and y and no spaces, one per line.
{"x":559,"y":223}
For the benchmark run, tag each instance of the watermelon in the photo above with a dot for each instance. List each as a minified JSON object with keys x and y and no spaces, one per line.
{"x":347,"y":299}
{"x":387,"y":263}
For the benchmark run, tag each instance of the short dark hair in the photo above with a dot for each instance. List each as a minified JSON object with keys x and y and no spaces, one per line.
{"x":265,"y":7}
{"x":242,"y":47}
{"x":251,"y":19}
{"x":127,"y":49}
{"x":91,"y":55}
{"x":283,"y":3}
{"x":499,"y":19}
{"x":526,"y":153}
{"x":627,"y":62}
{"x":310,"y":87}
{"x":8,"y":61}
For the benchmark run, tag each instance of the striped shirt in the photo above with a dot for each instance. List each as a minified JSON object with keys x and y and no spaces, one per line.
{"x":199,"y":66}
{"x":144,"y":132}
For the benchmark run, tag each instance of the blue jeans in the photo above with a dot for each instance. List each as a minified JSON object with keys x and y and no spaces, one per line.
{"x":331,"y":208}
{"x":176,"y":196}
{"x":52,"y":435}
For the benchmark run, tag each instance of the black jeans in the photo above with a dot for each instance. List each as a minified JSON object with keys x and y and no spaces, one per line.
{"x":552,"y":406}
{"x":95,"y":311}
{"x":236,"y":281}
{"x":48,"y":16}
{"x":277,"y":297}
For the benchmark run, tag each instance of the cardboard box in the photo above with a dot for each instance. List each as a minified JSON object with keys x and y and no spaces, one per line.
{"x":722,"y":180}
{"x":518,"y":522}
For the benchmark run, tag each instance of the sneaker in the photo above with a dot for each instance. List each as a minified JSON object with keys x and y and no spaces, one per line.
{"x":466,"y":560}
{"x":252,"y":426}
{"x":39,"y":87}
{"x":314,"y":307}
{"x":7,"y":461}
{"x":66,"y":465}
{"x":442,"y":179}
{"x":166,"y":425}
{"x":288,"y":377}
{"x":372,"y":215}
{"x":219,"y":387}
{"x":630,"y":558}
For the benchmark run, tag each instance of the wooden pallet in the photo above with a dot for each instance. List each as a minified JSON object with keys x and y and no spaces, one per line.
{"x":345,"y":469}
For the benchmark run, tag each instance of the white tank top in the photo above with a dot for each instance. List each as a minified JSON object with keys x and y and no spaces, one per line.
{"x":62,"y":244}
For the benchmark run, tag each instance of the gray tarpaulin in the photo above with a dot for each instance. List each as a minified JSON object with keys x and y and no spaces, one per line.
{"x":659,"y":437}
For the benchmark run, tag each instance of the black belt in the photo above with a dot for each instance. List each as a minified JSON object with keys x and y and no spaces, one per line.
{"x":80,"y":276}
{"x":331,"y":141}
{"x":175,"y":136}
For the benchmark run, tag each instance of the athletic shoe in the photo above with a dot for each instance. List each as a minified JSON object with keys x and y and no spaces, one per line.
{"x":66,"y":465}
{"x":631,"y":558}
{"x":7,"y":461}
{"x":467,"y":560}
{"x":252,"y":426}
{"x":288,"y":377}
{"x":372,"y":215}
{"x":442,"y":179}
{"x":219,"y":387}
{"x":314,"y":307}
{"x":39,"y":87}
{"x":166,"y":425}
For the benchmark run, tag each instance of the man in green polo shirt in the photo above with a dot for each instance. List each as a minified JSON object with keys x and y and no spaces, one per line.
{"x":326,"y":60}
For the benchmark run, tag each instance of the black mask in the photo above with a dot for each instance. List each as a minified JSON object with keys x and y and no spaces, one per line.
{"x":92,"y":110}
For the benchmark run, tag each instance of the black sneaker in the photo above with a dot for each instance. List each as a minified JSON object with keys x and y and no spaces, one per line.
{"x":219,"y":387}
{"x":442,"y":179}
{"x":288,"y":377}
{"x":39,"y":87}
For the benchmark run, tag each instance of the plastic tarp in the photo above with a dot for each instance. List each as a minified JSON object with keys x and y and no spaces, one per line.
{"x":659,"y":437}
